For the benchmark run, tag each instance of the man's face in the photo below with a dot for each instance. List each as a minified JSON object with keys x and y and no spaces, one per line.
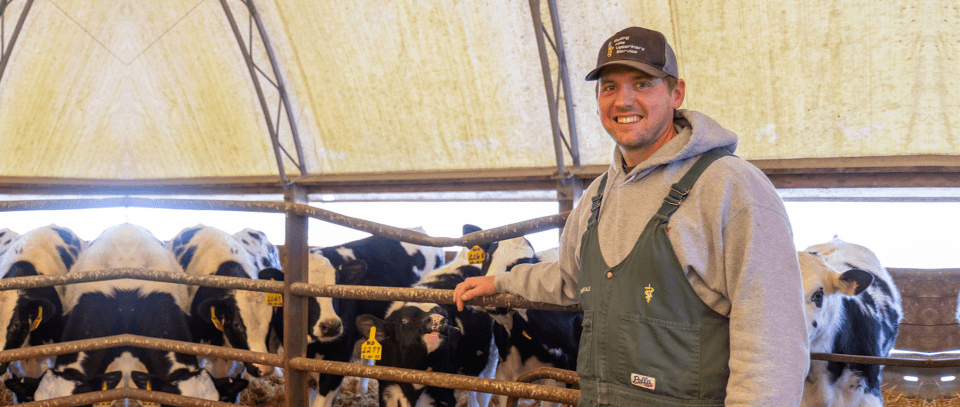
{"x":636,"y":108}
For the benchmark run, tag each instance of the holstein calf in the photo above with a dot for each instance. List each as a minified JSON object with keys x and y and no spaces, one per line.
{"x":225,"y":317}
{"x":114,"y":307}
{"x":440,"y":338}
{"x":373,"y":261}
{"x":853,"y":307}
{"x":33,"y":316}
{"x":530,"y":339}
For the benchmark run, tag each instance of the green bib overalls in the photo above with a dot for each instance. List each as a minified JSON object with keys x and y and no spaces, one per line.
{"x":648,"y":339}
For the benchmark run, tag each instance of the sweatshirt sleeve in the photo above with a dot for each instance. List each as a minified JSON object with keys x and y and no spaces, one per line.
{"x":769,"y":349}
{"x":553,"y":282}
{"x":736,"y":244}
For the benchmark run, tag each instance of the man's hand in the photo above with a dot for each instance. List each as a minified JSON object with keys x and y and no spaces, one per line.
{"x":471,"y":288}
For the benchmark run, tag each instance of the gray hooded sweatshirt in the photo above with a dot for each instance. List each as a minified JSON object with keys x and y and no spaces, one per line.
{"x":732,"y":237}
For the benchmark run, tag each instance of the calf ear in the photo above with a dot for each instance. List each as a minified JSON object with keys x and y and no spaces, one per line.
{"x":23,"y":387}
{"x":230,"y":387}
{"x":270,"y":273}
{"x":111,"y":379}
{"x":140,"y":379}
{"x":365,"y":322}
{"x":352,"y":272}
{"x":39,"y":310}
{"x":214,"y":310}
{"x":854,"y":281}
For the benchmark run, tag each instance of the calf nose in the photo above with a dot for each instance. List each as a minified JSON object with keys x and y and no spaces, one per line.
{"x":264,"y":369}
{"x":437,"y":323}
{"x":331,"y":328}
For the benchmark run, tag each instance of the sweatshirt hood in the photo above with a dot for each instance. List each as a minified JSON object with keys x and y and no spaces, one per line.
{"x":697,"y":133}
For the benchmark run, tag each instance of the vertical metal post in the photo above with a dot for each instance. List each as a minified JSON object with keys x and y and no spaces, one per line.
{"x":564,"y":79}
{"x":548,"y":85}
{"x":295,"y":306}
{"x":5,"y":53}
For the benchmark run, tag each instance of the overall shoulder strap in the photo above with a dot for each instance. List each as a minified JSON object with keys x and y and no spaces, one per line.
{"x":679,"y":191}
{"x":595,"y":202}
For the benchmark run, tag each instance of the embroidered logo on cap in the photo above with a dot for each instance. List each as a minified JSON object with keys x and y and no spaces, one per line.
{"x":646,"y":382}
{"x":610,"y":50}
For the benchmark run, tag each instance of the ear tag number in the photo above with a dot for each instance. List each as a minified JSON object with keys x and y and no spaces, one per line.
{"x":476,"y":255}
{"x":36,"y":322}
{"x":371,"y":348}
{"x":274,"y":299}
{"x":103,"y":403}
{"x":213,"y":318}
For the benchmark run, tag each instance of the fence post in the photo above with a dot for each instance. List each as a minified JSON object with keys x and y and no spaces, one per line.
{"x":295,"y":306}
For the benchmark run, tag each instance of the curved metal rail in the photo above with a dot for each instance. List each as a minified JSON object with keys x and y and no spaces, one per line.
{"x":513,"y":230}
{"x":560,"y":375}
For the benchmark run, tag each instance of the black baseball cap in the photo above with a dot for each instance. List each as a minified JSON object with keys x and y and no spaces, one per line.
{"x":639,"y":48}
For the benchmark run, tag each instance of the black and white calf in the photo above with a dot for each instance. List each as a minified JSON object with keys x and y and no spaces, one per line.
{"x":33,"y":316}
{"x":440,"y":337}
{"x":530,"y":339}
{"x":224,"y":317}
{"x":114,"y":307}
{"x":853,"y":307}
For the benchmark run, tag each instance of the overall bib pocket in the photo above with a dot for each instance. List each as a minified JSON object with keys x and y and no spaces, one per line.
{"x":586,"y":360}
{"x":658,"y":356}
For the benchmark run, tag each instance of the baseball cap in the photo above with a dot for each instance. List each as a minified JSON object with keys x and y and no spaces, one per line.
{"x":639,"y":48}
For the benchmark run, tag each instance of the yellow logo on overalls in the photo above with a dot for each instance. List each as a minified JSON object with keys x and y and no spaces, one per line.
{"x":648,"y":291}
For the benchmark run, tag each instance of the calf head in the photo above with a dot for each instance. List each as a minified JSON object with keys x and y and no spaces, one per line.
{"x":823,"y":287}
{"x":263,"y":253}
{"x":409,"y":334}
{"x":502,"y":256}
{"x":49,"y":251}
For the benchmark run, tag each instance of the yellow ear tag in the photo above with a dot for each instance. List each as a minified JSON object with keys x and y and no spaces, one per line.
{"x":103,"y":403}
{"x":36,"y":322}
{"x":371,"y":348}
{"x":274,"y":299}
{"x":149,"y":403}
{"x":213,"y":318}
{"x":476,"y":255}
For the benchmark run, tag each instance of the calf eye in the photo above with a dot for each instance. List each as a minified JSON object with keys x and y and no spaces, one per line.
{"x":817,"y":298}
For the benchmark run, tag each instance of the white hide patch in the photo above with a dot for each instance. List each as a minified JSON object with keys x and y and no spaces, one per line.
{"x":131,"y":247}
{"x":321,"y":271}
{"x":346,"y":253}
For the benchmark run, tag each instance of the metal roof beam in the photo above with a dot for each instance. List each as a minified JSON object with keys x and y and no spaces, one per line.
{"x":273,"y":123}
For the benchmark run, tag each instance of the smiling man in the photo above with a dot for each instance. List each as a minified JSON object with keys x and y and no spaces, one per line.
{"x":681,"y":255}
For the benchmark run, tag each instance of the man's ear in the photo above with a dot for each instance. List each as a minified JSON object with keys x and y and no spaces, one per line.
{"x":679,"y":93}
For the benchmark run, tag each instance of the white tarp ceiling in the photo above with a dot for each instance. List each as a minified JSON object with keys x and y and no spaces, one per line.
{"x":159,"y":89}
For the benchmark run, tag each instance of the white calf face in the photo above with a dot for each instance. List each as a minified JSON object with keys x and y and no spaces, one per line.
{"x":823,"y":288}
{"x":328,"y":325}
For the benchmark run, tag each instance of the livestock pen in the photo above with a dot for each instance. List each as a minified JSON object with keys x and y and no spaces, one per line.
{"x":295,"y":289}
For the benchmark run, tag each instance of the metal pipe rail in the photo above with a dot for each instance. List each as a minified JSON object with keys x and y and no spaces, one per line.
{"x":484,"y":236}
{"x":312,"y":290}
{"x":126,"y":393}
{"x":342,"y":368}
{"x":560,"y":375}
{"x":521,"y":390}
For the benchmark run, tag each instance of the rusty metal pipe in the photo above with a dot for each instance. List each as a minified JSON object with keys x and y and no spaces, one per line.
{"x":141,"y":274}
{"x":560,"y":375}
{"x":928,"y":363}
{"x":484,"y":236}
{"x":420,"y":295}
{"x":140,"y":342}
{"x":446,"y":380}
{"x":126,"y":393}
